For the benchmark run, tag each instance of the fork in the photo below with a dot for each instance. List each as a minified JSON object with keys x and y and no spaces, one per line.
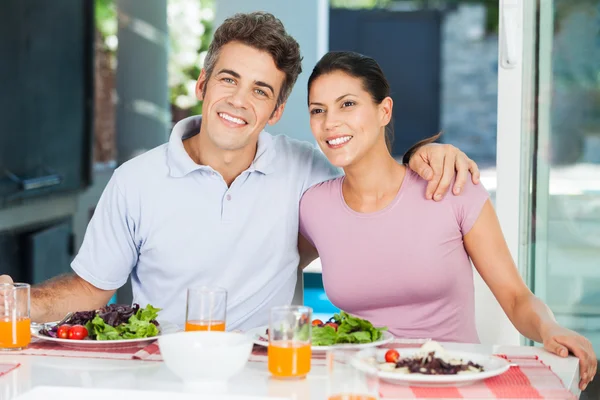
{"x":44,"y":325}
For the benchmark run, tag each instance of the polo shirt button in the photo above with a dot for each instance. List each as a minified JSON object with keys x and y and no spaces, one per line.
{"x":228,"y":197}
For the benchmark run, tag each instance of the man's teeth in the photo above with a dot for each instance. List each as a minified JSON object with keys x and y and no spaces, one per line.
{"x":232,"y":119}
{"x":340,"y":140}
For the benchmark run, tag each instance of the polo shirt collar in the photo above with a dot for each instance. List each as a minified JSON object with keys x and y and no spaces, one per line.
{"x":180,"y":163}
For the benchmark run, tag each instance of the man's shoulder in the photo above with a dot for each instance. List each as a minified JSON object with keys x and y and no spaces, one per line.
{"x":295,"y":148}
{"x":145,"y":167}
{"x":305,"y":157}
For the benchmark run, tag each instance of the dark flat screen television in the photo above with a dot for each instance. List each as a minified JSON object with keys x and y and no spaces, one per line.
{"x":46,"y":98}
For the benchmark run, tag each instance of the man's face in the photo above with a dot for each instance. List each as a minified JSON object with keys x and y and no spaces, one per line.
{"x":239,"y":97}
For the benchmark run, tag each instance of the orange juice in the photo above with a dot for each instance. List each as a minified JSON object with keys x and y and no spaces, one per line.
{"x":15,"y":335}
{"x":205,"y":326}
{"x":347,"y":396}
{"x":288,"y":359}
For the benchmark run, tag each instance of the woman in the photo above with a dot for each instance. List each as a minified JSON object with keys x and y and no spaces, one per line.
{"x":418,"y":282}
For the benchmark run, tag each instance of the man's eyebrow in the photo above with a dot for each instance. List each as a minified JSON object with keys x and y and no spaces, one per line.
{"x":238,"y":76}
{"x":266,"y":85}
{"x":230,"y":72}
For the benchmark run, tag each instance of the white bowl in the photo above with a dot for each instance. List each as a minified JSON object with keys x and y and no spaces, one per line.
{"x":205,"y":356}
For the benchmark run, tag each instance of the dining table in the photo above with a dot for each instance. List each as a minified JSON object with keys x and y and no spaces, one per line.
{"x":152,"y":379}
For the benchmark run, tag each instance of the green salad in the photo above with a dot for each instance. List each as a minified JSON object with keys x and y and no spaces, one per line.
{"x":343,"y":328}
{"x":141,"y":324}
{"x":113,"y":322}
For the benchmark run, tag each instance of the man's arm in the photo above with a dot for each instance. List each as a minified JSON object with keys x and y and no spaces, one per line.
{"x":307,"y":251}
{"x":439,"y":164}
{"x":53,"y":299}
{"x":102,"y":265}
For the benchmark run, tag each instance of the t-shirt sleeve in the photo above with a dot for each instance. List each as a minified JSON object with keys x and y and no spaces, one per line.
{"x":320,"y":170}
{"x":468,"y":205}
{"x":109,"y":252}
{"x":306,"y":217}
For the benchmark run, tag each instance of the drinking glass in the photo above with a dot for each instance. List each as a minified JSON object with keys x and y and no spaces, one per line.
{"x":349,"y":378}
{"x":206,"y":309}
{"x":289,"y":351}
{"x":15,"y":321}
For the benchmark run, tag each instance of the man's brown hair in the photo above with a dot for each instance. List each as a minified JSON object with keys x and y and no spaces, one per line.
{"x":264,"y":32}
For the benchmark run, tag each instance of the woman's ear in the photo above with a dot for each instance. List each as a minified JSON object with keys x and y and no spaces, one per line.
{"x":385,"y":109}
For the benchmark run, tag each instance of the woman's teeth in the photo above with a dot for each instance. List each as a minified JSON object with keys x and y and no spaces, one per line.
{"x":338,"y":141}
{"x":232,"y":119}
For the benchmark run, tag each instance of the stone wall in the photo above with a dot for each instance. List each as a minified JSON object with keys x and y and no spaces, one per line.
{"x":469,"y":84}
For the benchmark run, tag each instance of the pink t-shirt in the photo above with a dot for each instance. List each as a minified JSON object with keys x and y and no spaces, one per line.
{"x":405,"y":266}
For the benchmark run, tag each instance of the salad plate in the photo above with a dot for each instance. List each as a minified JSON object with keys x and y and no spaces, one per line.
{"x":112,"y":327}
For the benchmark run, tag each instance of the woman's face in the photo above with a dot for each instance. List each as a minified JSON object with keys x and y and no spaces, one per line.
{"x":344,"y":119}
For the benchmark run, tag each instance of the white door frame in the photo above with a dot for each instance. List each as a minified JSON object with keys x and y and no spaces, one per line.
{"x":516,"y":113}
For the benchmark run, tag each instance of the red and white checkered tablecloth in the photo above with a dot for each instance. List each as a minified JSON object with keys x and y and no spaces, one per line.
{"x":6,"y":368}
{"x":149,"y":352}
{"x":529,"y":378}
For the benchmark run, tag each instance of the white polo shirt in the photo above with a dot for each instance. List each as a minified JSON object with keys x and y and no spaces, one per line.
{"x":172,"y":224}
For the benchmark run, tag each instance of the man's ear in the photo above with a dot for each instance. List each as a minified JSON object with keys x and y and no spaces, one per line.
{"x":277,"y":114}
{"x":200,"y":85}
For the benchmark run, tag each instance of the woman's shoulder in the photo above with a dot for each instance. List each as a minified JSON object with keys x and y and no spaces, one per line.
{"x":324,"y":189}
{"x":320,"y":197}
{"x":316,"y":205}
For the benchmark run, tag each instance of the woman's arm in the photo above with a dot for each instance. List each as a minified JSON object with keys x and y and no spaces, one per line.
{"x":487,"y":248}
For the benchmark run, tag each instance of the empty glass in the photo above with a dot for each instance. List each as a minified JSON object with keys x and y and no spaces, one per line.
{"x":347,"y":380}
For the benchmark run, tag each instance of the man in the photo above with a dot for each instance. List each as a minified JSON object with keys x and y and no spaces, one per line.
{"x":218,"y":204}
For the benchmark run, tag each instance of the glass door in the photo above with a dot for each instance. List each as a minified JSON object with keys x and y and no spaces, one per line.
{"x":548,"y":197}
{"x":565,"y":217}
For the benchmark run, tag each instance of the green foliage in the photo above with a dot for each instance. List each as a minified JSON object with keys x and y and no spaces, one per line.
{"x":190,"y":31}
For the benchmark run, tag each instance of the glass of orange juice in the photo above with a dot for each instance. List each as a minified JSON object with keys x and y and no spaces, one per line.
{"x":15,"y":322}
{"x":289,"y":350}
{"x":346,"y":381}
{"x":206,"y":309}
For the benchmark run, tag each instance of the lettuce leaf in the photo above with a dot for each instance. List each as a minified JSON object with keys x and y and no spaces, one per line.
{"x":100,"y":330}
{"x":351,"y":330}
{"x":147,"y":314}
{"x":323,"y":336}
{"x":140,"y":325}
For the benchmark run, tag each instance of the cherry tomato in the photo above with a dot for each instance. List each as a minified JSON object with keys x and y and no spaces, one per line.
{"x":317,"y":322}
{"x":392,"y":356}
{"x":78,"y":332}
{"x":332,"y":324}
{"x":63,"y":331}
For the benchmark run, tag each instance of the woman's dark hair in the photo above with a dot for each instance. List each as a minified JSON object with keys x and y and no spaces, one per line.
{"x":362,"y":67}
